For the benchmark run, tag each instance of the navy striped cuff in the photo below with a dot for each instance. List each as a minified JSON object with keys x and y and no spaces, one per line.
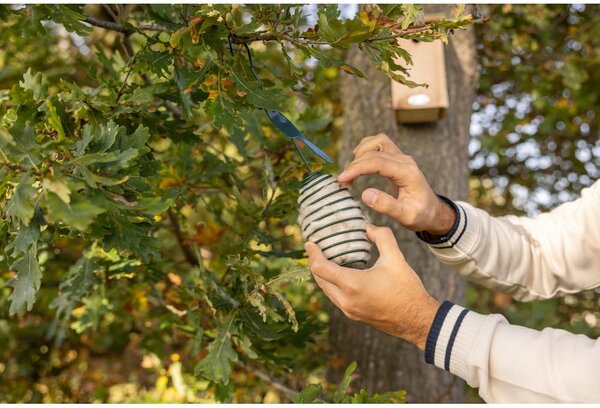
{"x":434,"y":332}
{"x":456,"y":232}
{"x":443,"y":333}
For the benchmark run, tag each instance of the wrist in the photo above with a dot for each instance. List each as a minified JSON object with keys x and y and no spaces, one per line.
{"x":423,"y":321}
{"x":444,"y":218}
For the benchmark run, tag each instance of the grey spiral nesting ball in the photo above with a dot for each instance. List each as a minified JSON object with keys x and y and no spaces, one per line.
{"x":331,"y":218}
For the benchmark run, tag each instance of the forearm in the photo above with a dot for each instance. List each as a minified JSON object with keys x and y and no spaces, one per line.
{"x":530,"y":258}
{"x":512,"y":363}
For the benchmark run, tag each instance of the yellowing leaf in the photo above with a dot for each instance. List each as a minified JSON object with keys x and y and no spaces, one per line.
{"x":59,"y":188}
{"x":209,"y":233}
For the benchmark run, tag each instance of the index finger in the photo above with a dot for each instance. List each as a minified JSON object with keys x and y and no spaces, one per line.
{"x":379,"y":143}
{"x":373,"y":165}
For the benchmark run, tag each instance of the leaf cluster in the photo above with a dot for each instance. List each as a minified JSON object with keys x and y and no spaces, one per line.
{"x":143,"y":193}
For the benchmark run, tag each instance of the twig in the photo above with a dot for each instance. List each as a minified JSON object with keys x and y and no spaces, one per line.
{"x":16,"y":167}
{"x":308,"y":40}
{"x":152,"y":27}
{"x":120,"y":93}
{"x":176,"y":110}
{"x":111,"y":12}
{"x":187,"y":252}
{"x":415,"y":30}
{"x":275,"y":383}
{"x":304,"y":40}
{"x":279,"y":177}
{"x":127,"y":46}
{"x":109,"y":25}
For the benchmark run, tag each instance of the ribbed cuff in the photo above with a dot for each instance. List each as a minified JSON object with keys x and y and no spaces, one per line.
{"x":434,"y":332}
{"x":459,"y":224}
{"x":451,"y":337}
{"x":466,"y":341}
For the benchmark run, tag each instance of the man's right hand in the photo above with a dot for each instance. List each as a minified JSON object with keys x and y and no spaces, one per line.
{"x":416,"y":207}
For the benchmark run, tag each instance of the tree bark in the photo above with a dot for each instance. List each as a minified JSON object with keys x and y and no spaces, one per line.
{"x":386,"y":363}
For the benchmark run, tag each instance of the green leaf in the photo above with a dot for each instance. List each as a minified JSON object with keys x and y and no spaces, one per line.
{"x":123,"y":234}
{"x":27,"y":236}
{"x":103,"y":140}
{"x":24,"y":135}
{"x":345,"y":383}
{"x":59,"y":188}
{"x":411,"y":13}
{"x":393,"y":397}
{"x":71,"y":16}
{"x":78,"y":281}
{"x":308,"y":395}
{"x":95,"y":306}
{"x":37,"y":84}
{"x":245,"y":345}
{"x":270,"y":99}
{"x":157,"y":61}
{"x":185,"y":78}
{"x":20,"y":206}
{"x":112,"y":160}
{"x":137,"y":140}
{"x":93,"y":179}
{"x":54,"y":120}
{"x":79,"y":213}
{"x":331,"y":28}
{"x":26,"y":283}
{"x":145,"y":95}
{"x":327,"y":60}
{"x":216,"y":366}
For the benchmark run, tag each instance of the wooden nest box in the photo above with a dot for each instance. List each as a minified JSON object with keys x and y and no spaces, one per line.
{"x":420,"y":104}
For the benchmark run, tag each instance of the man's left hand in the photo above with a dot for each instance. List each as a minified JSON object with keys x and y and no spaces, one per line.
{"x":388,"y":296}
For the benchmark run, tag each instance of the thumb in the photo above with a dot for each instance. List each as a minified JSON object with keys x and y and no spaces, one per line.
{"x":381,"y":202}
{"x":319,"y":265}
{"x":385,"y":241}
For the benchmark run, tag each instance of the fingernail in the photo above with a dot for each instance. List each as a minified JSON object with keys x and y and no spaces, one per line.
{"x":369,"y":196}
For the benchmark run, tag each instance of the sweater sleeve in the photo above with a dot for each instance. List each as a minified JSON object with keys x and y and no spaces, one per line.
{"x":550,"y":255}
{"x":511,"y":363}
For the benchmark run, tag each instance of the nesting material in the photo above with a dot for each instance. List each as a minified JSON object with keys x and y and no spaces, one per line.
{"x":331,"y":218}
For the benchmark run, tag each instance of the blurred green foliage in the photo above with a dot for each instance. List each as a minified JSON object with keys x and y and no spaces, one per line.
{"x":150,"y":246}
{"x":535,"y":125}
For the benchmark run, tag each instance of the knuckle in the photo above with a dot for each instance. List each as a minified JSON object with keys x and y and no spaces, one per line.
{"x":317,"y":266}
{"x":409,"y":160}
{"x":387,"y":231}
{"x":351,"y":166}
{"x":385,"y":140}
{"x":366,"y":138}
{"x":371,"y":154}
{"x":410,"y":218}
{"x":349,"y":288}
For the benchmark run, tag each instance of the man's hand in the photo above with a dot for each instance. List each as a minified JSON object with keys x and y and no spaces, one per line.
{"x":389,"y":296}
{"x":417,"y":207}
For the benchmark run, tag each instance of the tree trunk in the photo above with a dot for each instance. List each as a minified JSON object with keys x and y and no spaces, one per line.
{"x":386,"y":363}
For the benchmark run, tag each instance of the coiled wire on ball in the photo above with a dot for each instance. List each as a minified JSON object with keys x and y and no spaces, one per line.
{"x":331,"y":218}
